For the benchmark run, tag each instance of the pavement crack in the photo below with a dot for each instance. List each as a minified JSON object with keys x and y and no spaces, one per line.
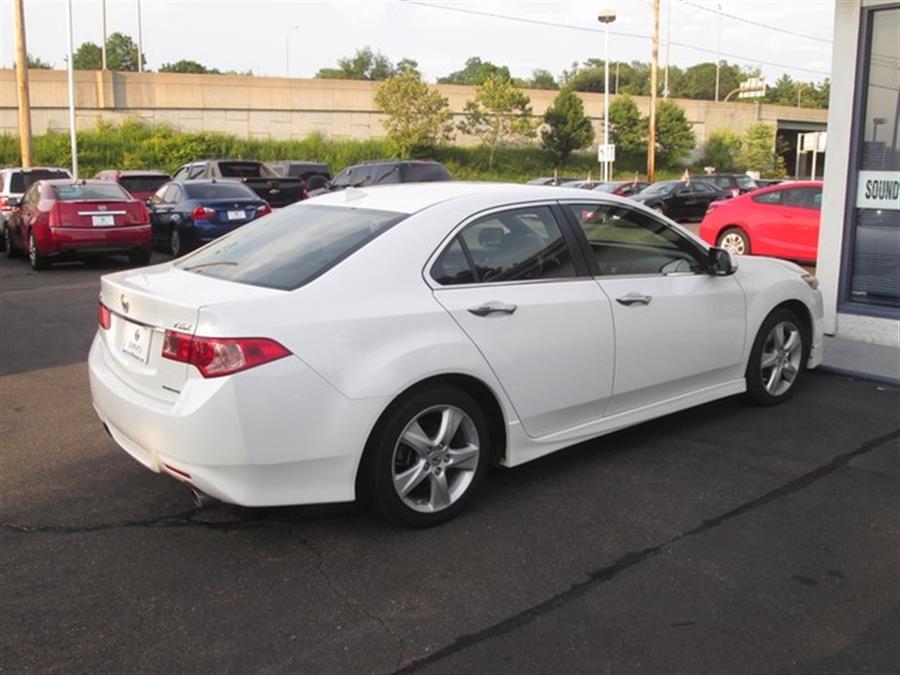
{"x":350,"y":602}
{"x":185,"y":519}
{"x":633,"y":558}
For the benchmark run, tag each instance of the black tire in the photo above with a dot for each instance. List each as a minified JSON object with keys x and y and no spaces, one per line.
{"x":757,"y":375}
{"x":139,"y":257}
{"x":11,"y":250}
{"x":37,"y":259}
{"x":176,"y":247}
{"x":377,"y":470}
{"x":734,"y":234}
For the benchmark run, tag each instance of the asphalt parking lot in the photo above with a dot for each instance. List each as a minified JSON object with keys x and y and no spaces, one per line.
{"x":726,"y":539}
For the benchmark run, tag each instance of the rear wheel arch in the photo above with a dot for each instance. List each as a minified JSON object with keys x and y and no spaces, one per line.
{"x":477,"y":389}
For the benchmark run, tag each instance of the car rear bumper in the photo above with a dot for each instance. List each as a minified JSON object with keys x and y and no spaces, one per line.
{"x":273,"y":435}
{"x":65,"y":240}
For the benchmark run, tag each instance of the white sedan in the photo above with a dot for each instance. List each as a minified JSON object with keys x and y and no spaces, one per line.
{"x":392,"y":342}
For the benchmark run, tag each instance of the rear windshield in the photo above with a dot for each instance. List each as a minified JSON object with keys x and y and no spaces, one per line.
{"x":659,"y":188}
{"x":746,"y":183}
{"x":246,"y":170}
{"x":22,"y":180}
{"x":142,"y":183}
{"x":218,"y":191}
{"x":104,"y":191}
{"x":290,"y":247}
{"x":424,"y":173}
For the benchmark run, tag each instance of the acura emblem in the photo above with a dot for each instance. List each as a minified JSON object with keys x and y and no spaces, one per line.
{"x":125,"y":305}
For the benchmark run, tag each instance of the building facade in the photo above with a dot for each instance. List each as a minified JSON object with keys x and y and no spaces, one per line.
{"x":859,"y":240}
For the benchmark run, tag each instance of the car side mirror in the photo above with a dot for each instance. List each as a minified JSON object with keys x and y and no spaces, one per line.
{"x":13,"y":201}
{"x":719,"y":262}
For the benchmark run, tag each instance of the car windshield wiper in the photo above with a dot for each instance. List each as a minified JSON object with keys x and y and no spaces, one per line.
{"x":209,"y":264}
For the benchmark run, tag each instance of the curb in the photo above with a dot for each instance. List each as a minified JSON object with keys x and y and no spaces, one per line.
{"x":859,"y":374}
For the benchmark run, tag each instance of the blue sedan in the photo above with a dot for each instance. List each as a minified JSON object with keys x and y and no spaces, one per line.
{"x":188,"y":214}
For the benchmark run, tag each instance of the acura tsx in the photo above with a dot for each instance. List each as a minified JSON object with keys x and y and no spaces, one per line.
{"x":390,"y":343}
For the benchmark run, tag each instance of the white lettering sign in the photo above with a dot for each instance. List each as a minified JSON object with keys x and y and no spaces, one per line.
{"x":878,"y":190}
{"x":606,"y":153}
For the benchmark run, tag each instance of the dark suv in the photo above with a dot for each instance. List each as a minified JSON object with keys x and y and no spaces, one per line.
{"x":736,"y":183}
{"x":386,"y":171}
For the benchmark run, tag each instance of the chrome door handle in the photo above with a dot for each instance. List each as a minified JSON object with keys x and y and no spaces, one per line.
{"x":634,"y":299}
{"x":492,"y":308}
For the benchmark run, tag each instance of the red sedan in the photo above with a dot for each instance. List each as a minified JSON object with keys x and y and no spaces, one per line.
{"x":61,"y":219}
{"x":781,"y":221}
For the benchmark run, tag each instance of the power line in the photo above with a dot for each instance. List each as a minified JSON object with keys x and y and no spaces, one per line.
{"x":552,"y":24}
{"x":756,"y":23}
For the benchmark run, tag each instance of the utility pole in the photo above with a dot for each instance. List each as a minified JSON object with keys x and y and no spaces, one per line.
{"x":22,"y":85}
{"x":103,"y":44}
{"x":654,"y":84}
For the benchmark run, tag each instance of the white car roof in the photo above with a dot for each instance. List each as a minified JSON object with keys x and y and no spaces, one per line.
{"x":413,"y":197}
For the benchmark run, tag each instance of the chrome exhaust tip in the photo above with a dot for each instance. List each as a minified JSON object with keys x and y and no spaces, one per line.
{"x":201,"y":499}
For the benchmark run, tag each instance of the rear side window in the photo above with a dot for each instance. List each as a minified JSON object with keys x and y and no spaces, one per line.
{"x":245,"y":170}
{"x":773,"y":197}
{"x":423,"y":173}
{"x":515,"y":245}
{"x":804,"y":198}
{"x":70,"y":193}
{"x":22,"y":180}
{"x":291,"y":247}
{"x":142,"y":183}
{"x":227,"y":190}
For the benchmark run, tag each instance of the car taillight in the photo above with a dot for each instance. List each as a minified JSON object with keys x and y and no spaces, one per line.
{"x":202,"y":213}
{"x":215,"y":357}
{"x":139,"y":216}
{"x":104,"y":317}
{"x":53,"y":220}
{"x":4,"y":205}
{"x":263,"y":210}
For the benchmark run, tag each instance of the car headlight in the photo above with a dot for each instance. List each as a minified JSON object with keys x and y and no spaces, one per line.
{"x":811,"y":281}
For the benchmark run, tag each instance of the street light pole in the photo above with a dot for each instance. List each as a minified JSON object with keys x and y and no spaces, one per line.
{"x":719,"y":53}
{"x":668,"y":40}
{"x":103,"y":44}
{"x":606,"y":17}
{"x":72,"y":138}
{"x":654,"y":73}
{"x":140,"y":41}
{"x":287,"y":50}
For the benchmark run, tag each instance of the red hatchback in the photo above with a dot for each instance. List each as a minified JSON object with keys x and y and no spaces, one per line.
{"x":60,"y":219}
{"x":781,"y":221}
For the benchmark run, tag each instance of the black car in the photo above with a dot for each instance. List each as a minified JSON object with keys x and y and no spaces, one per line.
{"x":384,"y":172}
{"x":681,"y":200}
{"x":736,"y":183}
{"x":278,"y":191}
{"x":551,"y":180}
{"x":315,"y":174}
{"x":188,"y":214}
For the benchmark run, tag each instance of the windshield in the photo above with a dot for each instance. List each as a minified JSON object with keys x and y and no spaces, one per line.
{"x":103,"y":191}
{"x":22,"y":180}
{"x":661,"y":189}
{"x":218,"y":191}
{"x":291,"y":247}
{"x":142,"y":183}
{"x":246,"y":170}
{"x":746,"y":183}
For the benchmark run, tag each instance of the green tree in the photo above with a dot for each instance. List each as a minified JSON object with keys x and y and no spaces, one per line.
{"x":699,"y":81}
{"x":475,"y":72}
{"x":35,"y":63}
{"x":187,"y":66}
{"x":404,"y":65}
{"x":634,"y":77}
{"x":674,"y":134}
{"x":418,"y":117}
{"x":499,"y":114}
{"x":568,"y":128}
{"x":363,"y":65}
{"x":760,"y":153}
{"x":628,"y":130}
{"x":783,"y":92}
{"x":723,"y":151}
{"x":541,"y":79}
{"x":121,"y":54}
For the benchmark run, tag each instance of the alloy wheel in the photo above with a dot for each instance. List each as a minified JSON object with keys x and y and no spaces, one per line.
{"x":435,"y":458}
{"x":733,"y":243}
{"x":780,"y":359}
{"x":175,"y":243}
{"x":32,"y":250}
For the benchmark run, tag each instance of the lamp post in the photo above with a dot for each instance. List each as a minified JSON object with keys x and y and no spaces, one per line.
{"x":72,"y":137}
{"x":287,"y":50}
{"x":606,"y":17}
{"x":140,"y":40}
{"x":719,"y":53}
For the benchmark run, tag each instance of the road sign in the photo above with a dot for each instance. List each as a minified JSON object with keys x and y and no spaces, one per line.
{"x":606,"y":153}
{"x":813,"y":141}
{"x":753,"y":88}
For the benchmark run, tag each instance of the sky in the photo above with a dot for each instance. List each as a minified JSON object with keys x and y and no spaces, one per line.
{"x":258,"y":35}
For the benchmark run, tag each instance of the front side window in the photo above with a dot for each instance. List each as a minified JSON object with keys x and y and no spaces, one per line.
{"x":182,"y":173}
{"x":626,"y":242}
{"x":516,"y":245}
{"x":196,"y":171}
{"x":291,"y":247}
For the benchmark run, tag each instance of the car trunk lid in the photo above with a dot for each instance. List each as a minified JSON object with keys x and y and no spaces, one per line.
{"x":98,"y":214}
